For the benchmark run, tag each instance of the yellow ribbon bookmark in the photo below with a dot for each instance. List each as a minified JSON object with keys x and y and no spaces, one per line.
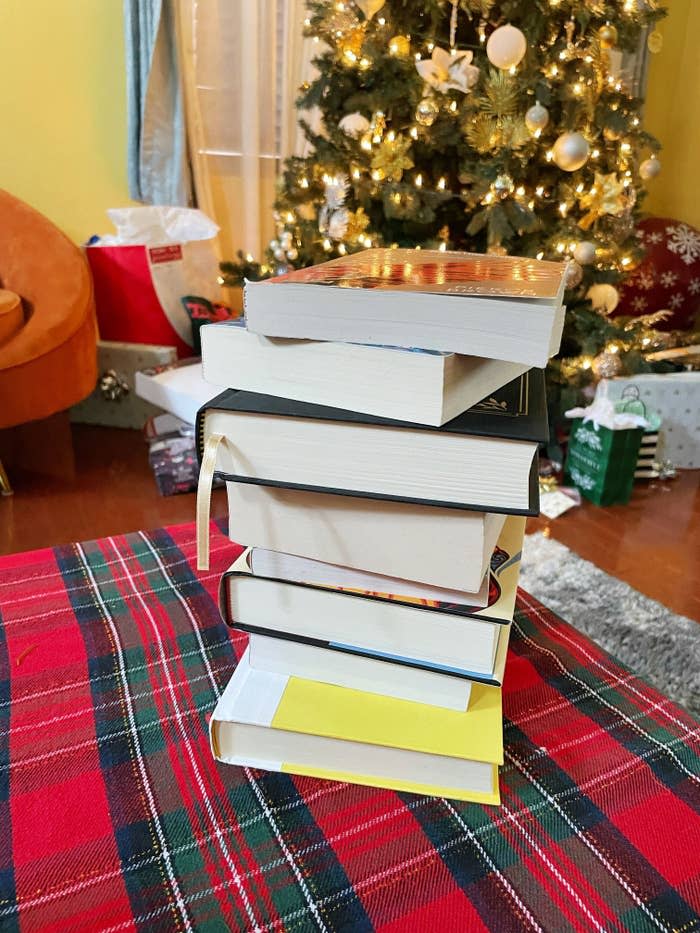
{"x":206,"y":478}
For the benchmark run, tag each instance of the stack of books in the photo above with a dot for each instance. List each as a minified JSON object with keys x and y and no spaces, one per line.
{"x":382,"y":492}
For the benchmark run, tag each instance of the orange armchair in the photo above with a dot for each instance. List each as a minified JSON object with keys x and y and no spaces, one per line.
{"x":49,"y":362}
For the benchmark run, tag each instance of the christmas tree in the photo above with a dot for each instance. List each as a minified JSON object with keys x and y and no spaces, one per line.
{"x":501,"y":127}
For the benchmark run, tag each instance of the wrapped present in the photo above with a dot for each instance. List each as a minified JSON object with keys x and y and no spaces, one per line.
{"x":674,"y":398}
{"x":603,"y":452}
{"x":172,"y":454}
{"x":114,"y":401}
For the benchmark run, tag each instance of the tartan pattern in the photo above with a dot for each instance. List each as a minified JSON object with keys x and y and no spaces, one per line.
{"x":113,"y":815}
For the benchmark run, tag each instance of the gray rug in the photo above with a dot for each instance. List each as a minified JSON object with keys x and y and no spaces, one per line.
{"x":662,"y":647}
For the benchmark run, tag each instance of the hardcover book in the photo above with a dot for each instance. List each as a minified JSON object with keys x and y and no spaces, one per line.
{"x":484,"y":459}
{"x":497,"y":307}
{"x":437,"y":635}
{"x":280,"y":723}
{"x":330,"y":528}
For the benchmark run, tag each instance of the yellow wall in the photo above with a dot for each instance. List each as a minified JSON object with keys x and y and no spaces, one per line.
{"x":63,"y":109}
{"x":672,"y":114}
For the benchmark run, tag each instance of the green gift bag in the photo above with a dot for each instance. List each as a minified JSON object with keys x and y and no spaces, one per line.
{"x":601,"y":462}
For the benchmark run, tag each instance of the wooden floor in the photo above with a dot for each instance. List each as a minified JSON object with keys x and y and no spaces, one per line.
{"x":653,"y":543}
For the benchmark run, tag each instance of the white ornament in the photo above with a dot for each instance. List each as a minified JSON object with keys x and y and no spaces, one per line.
{"x":649,"y":168}
{"x":354,"y":124}
{"x":369,"y":7}
{"x":570,"y":151}
{"x":506,"y":47}
{"x":603,"y":297}
{"x":537,"y":117}
{"x":336,"y":188}
{"x":584,"y":252}
{"x":447,"y":72}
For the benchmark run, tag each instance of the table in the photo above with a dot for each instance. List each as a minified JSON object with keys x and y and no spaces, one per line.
{"x":113,"y":815}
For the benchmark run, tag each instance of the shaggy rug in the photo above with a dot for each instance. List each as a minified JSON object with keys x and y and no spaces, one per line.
{"x":654,"y":642}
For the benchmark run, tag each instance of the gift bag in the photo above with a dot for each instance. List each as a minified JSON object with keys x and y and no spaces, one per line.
{"x":141,"y":273}
{"x":601,"y":461}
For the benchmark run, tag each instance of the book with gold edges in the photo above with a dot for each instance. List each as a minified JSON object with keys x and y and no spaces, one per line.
{"x":498,"y":307}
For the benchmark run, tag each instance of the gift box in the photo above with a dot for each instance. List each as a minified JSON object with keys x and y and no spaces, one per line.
{"x":114,"y":401}
{"x":675,"y":399}
{"x":172,"y":454}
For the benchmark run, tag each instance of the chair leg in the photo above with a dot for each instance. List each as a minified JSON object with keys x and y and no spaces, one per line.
{"x":5,"y":488}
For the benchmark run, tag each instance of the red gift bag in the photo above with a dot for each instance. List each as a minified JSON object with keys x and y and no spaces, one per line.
{"x":139,"y":286}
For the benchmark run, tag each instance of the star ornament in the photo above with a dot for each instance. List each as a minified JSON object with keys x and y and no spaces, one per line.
{"x":607,"y":196}
{"x":447,"y":72}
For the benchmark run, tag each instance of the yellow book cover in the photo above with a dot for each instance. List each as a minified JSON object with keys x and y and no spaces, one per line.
{"x":272,"y":721}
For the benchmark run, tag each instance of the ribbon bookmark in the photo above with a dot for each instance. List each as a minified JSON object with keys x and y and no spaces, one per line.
{"x":206,"y":478}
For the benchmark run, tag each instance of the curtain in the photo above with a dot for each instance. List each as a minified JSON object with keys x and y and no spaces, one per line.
{"x":157,"y":160}
{"x":243,"y":62}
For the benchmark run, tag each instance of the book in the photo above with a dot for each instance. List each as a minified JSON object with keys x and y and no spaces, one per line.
{"x":276,"y":565}
{"x":280,"y":723}
{"x":496,"y":307}
{"x":331,"y":528}
{"x":297,"y":659}
{"x":425,"y":386}
{"x":440,"y":636}
{"x":372,"y":675}
{"x":483,"y":460}
{"x":179,"y":388}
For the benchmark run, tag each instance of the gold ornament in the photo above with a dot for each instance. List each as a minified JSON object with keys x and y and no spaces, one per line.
{"x":350,"y":45}
{"x":369,"y":7}
{"x":391,"y":158}
{"x":358,"y":222}
{"x":655,"y":42}
{"x":607,"y":365}
{"x":607,"y":196}
{"x":608,"y":36}
{"x":426,"y":111}
{"x":399,"y":46}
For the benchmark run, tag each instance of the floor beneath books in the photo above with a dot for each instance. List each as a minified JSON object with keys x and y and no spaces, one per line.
{"x":653,"y":543}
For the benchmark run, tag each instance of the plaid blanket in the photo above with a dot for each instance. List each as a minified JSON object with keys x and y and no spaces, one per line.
{"x":113,"y":815}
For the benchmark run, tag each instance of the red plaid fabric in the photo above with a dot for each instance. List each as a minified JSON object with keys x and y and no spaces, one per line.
{"x":113,"y":815}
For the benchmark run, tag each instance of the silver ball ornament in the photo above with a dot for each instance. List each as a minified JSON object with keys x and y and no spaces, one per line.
{"x":427,"y":111}
{"x":571,"y":151}
{"x":279,"y":253}
{"x":574,"y":274}
{"x":503,"y":185}
{"x":506,"y":47}
{"x":293,"y":253}
{"x":537,"y":117}
{"x":649,"y":168}
{"x":607,"y":365}
{"x":584,"y":252}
